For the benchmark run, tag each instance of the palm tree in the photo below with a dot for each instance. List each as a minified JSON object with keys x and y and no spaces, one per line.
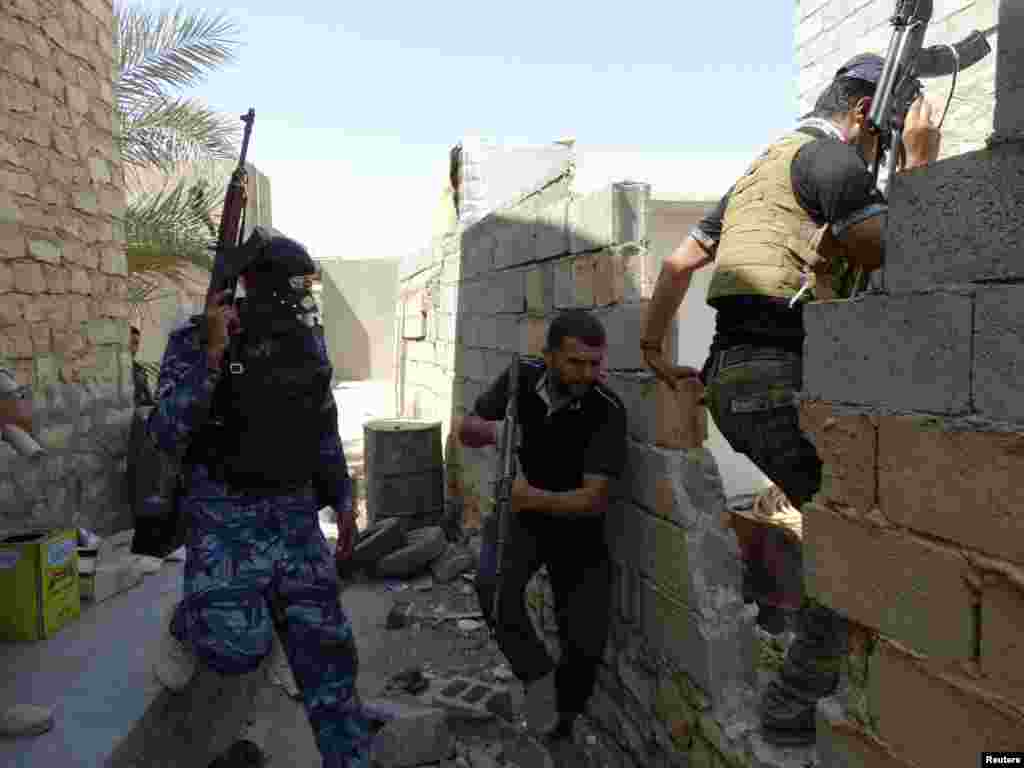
{"x":170,"y":144}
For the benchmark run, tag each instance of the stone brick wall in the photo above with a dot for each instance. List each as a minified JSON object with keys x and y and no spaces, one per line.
{"x":63,"y":325}
{"x":829,"y":32}
{"x":913,"y":395}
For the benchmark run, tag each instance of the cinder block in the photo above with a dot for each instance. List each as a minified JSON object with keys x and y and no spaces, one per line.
{"x":1009,"y":111}
{"x":607,"y":269}
{"x":960,"y":724}
{"x":551,"y":230}
{"x":637,"y":393}
{"x":496,"y":363}
{"x":478,"y":249}
{"x":507,"y":332}
{"x":912,"y":590}
{"x":680,"y":416}
{"x":514,"y":233}
{"x":847,"y":444}
{"x":532,"y":335}
{"x":468,"y":328}
{"x":624,"y":325}
{"x":1002,"y":633}
{"x":711,"y":653}
{"x":902,"y":352}
{"x":959,"y":220}
{"x":540,"y":288}
{"x":842,"y":743}
{"x":613,"y":215}
{"x":683,"y":562}
{"x":999,"y":351}
{"x":474,"y":365}
{"x":680,"y":486}
{"x":487,"y":331}
{"x":506,"y":291}
{"x":574,"y":282}
{"x":949,"y":481}
{"x":625,"y":273}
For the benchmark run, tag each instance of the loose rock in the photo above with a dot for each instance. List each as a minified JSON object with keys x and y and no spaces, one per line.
{"x":414,"y":739}
{"x":25,"y":720}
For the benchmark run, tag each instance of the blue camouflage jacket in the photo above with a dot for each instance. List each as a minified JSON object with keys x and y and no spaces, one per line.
{"x":185,"y":393}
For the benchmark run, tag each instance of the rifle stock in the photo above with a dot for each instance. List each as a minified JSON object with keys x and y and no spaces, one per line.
{"x":505,"y":477}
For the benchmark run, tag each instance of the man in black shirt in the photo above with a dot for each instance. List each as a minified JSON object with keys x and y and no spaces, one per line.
{"x":805,"y":210}
{"x":573,"y":431}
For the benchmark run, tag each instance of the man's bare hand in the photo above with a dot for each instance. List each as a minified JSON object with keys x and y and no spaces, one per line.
{"x":476,"y":432}
{"x":921,"y":135}
{"x":17,"y":413}
{"x":221,"y":322}
{"x":346,"y":534}
{"x":520,"y":494}
{"x":667,"y":372}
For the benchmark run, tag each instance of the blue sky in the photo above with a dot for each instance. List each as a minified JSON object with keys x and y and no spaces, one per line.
{"x":357,"y":104}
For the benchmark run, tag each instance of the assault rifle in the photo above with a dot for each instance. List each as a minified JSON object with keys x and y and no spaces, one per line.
{"x":232,"y":219}
{"x":906,"y":62}
{"x":506,"y":475}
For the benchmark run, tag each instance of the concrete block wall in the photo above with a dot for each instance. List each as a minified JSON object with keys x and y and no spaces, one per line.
{"x":914,"y":398}
{"x":63,"y":315}
{"x":830,"y":32}
{"x":679,"y":680}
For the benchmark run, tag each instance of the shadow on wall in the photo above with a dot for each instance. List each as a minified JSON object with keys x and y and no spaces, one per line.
{"x":514,"y":275}
{"x":358,"y":312}
{"x":348,"y":340}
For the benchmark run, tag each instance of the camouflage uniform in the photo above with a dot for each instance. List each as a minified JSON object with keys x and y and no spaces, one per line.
{"x":256,"y":561}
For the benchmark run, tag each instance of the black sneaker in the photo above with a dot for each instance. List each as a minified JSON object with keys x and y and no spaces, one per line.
{"x":562,"y":730}
{"x":241,"y":754}
{"x":787,"y":718}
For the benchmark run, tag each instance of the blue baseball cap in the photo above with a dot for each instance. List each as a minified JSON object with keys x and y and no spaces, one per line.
{"x":863,"y":66}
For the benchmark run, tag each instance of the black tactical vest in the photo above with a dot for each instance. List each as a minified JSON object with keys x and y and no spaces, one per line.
{"x":268,"y":413}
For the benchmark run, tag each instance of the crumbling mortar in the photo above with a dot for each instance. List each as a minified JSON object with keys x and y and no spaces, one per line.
{"x":949,"y":422}
{"x":960,"y":682}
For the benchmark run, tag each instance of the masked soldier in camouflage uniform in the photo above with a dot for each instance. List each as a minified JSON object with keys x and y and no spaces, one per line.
{"x":244,"y":396}
{"x":804,"y":207}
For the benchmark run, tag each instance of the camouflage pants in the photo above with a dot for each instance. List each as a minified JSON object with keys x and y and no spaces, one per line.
{"x":750,"y":393}
{"x":751,"y":397}
{"x":253,"y":562}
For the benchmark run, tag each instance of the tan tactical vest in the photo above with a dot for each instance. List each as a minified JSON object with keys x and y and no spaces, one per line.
{"x":769,"y":244}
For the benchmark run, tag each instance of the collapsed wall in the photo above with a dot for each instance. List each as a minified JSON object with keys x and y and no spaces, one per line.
{"x":63,"y":326}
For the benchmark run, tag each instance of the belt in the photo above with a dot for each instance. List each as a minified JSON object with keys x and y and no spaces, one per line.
{"x":733,"y":356}
{"x":233,"y":487}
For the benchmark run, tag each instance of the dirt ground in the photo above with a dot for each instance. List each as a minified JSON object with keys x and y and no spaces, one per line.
{"x":441,"y":648}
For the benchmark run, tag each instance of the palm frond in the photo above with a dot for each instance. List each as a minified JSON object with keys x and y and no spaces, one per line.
{"x":171,"y":224}
{"x":142,"y":292}
{"x":169,"y":49}
{"x":171,"y":132}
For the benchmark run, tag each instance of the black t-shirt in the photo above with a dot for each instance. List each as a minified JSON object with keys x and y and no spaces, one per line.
{"x":586,"y":436}
{"x":832,"y":183}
